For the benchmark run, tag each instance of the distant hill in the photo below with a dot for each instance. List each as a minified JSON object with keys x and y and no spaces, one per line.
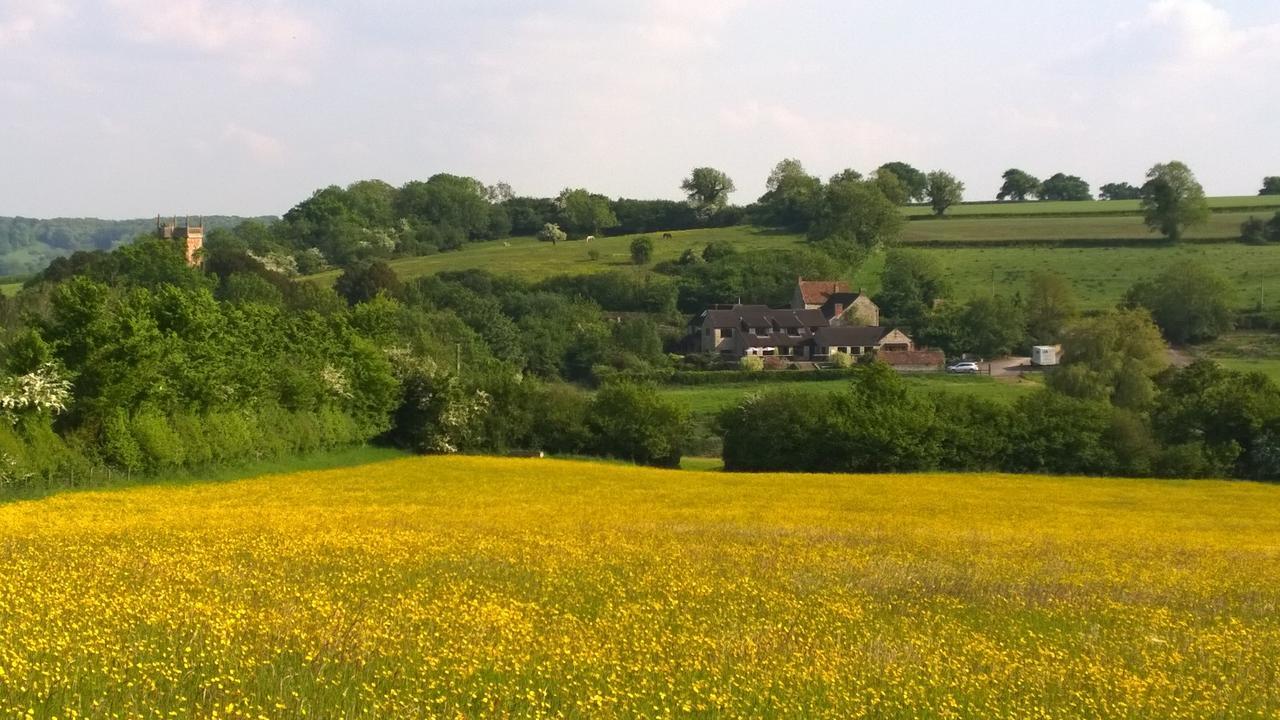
{"x":27,"y":244}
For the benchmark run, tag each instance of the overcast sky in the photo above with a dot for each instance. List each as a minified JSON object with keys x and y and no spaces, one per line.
{"x":128,"y":108}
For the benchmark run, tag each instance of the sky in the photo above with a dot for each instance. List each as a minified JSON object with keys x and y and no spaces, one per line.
{"x":132,"y":108}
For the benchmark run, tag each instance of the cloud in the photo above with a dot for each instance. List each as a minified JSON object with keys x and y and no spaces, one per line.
{"x":259,"y":146}
{"x":20,"y":20}
{"x":264,"y":41}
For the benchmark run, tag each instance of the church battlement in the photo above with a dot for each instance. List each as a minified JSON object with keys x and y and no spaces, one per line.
{"x":192,"y":236}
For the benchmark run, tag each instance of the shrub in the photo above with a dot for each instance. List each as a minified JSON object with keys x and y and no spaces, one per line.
{"x":160,"y":446}
{"x":119,"y":447}
{"x":641,"y":250}
{"x":751,"y":363}
{"x":633,"y":422}
{"x":841,"y":359}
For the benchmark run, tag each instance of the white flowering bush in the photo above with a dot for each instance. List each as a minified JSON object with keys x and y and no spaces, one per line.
{"x":43,"y":390}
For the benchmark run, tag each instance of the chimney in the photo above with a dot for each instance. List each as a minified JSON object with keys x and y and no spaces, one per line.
{"x":839,"y":310}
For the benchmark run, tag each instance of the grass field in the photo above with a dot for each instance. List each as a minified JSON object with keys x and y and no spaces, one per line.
{"x":1100,"y":276}
{"x":1225,"y":203}
{"x":448,"y":587}
{"x":959,"y":229}
{"x":1245,"y":351}
{"x":710,"y":399}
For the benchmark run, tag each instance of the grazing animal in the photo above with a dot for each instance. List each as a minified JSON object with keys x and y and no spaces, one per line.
{"x":506,"y":244}
{"x":666,"y":236}
{"x":590,"y":238}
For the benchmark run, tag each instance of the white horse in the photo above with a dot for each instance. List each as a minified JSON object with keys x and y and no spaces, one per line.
{"x":590,"y":238}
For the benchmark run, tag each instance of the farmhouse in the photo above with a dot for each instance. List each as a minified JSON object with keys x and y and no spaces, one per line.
{"x":824,"y":317}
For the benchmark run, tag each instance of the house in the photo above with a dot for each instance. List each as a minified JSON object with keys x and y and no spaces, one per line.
{"x":836,"y":302}
{"x":735,"y":331}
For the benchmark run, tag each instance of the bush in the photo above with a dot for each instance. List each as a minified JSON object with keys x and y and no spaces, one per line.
{"x":641,"y":250}
{"x":160,"y":447}
{"x":751,"y":363}
{"x":777,"y":430}
{"x":841,"y":360}
{"x":633,"y":422}
{"x":119,"y":447}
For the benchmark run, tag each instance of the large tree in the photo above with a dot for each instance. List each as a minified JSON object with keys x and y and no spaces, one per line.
{"x":911,"y":283}
{"x":1112,"y":356}
{"x":943,"y":190}
{"x":1064,"y":187}
{"x":792,"y":196}
{"x":1119,"y":191}
{"x":585,"y":213}
{"x":1051,"y":304}
{"x":1190,"y":302}
{"x":858,"y":215}
{"x":1270,"y":185}
{"x":1172,"y":200}
{"x":1018,"y":185}
{"x":915,"y":181}
{"x":708,"y":190}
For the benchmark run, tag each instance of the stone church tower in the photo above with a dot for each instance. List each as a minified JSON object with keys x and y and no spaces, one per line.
{"x":191,"y":235}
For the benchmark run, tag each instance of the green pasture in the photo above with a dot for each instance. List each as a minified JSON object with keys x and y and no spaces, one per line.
{"x":1221,"y":226}
{"x":1088,"y":207}
{"x":705,"y":400}
{"x":1247,"y":351}
{"x":531,"y":259}
{"x":1100,"y":275}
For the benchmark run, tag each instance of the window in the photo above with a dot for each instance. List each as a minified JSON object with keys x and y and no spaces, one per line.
{"x":762,"y":331}
{"x":710,"y":332}
{"x":728,"y":332}
{"x":793,"y":331}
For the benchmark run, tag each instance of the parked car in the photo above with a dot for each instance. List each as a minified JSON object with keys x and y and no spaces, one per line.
{"x":964,"y":367}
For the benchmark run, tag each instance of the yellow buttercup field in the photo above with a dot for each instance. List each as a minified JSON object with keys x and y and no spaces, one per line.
{"x":443,"y":587}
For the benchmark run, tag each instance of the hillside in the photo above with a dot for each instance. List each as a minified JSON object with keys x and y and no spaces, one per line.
{"x":465,"y":586}
{"x":27,"y":244}
{"x":1100,"y":274}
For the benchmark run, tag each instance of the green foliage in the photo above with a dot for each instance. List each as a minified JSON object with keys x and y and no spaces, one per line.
{"x":1190,"y":302}
{"x":708,"y":190}
{"x":1119,"y":191}
{"x":552,"y":233}
{"x":751,"y":363}
{"x":911,"y":283}
{"x":364,"y":281}
{"x":792,"y":198}
{"x":943,"y":191}
{"x":585,"y":213}
{"x":1112,"y":356}
{"x":1172,"y":200}
{"x":1050,"y":306}
{"x":718,"y":250}
{"x":641,"y":250}
{"x":1018,"y":185}
{"x":1270,"y":185}
{"x":633,"y":422}
{"x":1063,"y":187}
{"x":1057,"y":433}
{"x":776,"y":430}
{"x":857,"y":214}
{"x":915,"y":182}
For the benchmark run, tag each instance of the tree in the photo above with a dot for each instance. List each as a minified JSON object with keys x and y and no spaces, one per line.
{"x":585,"y":213}
{"x":792,"y":197}
{"x":708,"y":190}
{"x":991,"y":326}
{"x":718,"y":250}
{"x":1119,"y":191}
{"x":634,"y":422}
{"x":857,"y":215}
{"x":1018,"y":185}
{"x":1221,"y":414}
{"x":1190,"y":302}
{"x":892,"y":186}
{"x":1064,"y":187}
{"x":641,"y":250}
{"x":1051,"y":304}
{"x":1270,"y":185}
{"x":1254,"y":231}
{"x":1172,"y":200}
{"x":363,"y":281}
{"x":911,"y":283}
{"x":551,"y":233}
{"x":944,"y":190}
{"x":1105,"y":351}
{"x":916,"y":182}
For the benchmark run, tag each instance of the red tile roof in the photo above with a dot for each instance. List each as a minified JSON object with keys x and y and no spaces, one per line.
{"x":816,"y":292}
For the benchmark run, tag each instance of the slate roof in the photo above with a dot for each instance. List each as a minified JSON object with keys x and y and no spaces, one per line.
{"x":851,"y":336}
{"x":762,"y":316}
{"x":843,"y":299}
